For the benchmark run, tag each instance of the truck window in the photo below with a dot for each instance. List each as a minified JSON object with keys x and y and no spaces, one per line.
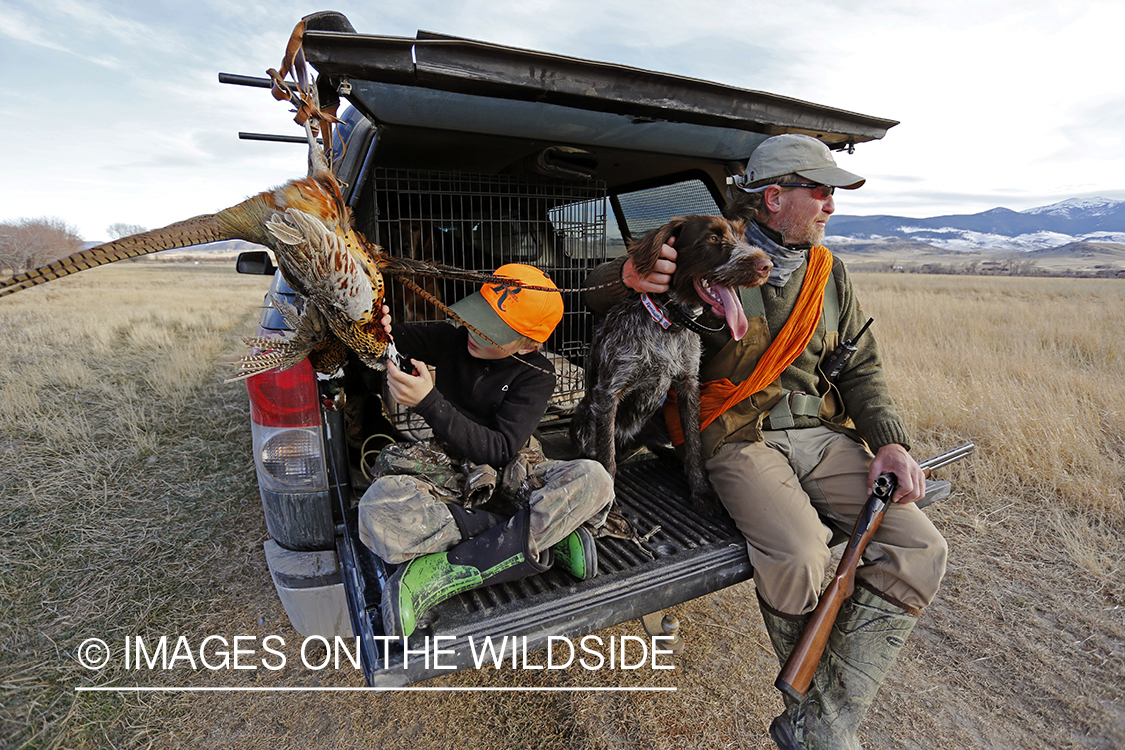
{"x":641,"y":211}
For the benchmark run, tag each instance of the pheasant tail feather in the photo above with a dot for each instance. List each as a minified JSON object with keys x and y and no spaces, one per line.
{"x":241,"y":222}
{"x":194,"y":231}
{"x":272,"y":354}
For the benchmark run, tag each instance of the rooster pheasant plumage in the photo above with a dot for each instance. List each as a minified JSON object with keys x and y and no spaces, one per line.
{"x":308,"y":226}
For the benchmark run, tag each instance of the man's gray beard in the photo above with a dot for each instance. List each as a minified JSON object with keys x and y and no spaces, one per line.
{"x":808,"y":234}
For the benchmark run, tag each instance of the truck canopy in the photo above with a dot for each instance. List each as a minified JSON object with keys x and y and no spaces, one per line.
{"x":425,"y":94}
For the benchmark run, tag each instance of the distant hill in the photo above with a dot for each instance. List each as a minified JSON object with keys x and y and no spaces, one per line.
{"x":1109,"y":251}
{"x":1071,"y":259}
{"x":1097,"y":220}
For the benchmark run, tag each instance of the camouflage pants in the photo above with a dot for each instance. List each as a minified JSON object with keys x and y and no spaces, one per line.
{"x":402,"y":516}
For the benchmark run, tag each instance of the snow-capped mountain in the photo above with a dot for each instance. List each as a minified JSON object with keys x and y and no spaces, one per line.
{"x":1075,"y":220}
{"x":1078,"y":207}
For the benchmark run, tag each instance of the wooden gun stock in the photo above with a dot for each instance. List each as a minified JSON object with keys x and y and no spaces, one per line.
{"x":796,"y":676}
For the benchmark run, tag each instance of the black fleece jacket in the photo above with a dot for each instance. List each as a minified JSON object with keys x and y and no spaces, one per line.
{"x":483,"y":409}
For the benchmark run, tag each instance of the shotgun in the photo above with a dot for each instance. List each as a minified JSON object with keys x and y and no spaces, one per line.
{"x":800,"y":667}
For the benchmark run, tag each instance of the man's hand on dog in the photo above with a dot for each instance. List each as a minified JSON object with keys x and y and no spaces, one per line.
{"x":656,"y":282}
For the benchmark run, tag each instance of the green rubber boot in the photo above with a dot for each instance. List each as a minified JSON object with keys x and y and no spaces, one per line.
{"x":784,"y":632}
{"x":577,"y":554}
{"x":497,"y":555}
{"x":868,"y":635}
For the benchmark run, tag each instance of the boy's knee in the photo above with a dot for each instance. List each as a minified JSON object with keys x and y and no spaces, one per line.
{"x":586,"y":476}
{"x":599,"y":478}
{"x":399,"y":518}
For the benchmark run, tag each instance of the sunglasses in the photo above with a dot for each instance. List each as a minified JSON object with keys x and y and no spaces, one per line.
{"x":820,"y":192}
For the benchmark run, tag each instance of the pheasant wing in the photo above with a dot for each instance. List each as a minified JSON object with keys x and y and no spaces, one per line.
{"x":318,"y":263}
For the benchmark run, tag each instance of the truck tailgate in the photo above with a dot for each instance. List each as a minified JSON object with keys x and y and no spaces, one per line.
{"x":691,"y":555}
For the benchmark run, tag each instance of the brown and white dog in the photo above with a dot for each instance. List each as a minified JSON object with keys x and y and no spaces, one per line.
{"x":644,"y":346}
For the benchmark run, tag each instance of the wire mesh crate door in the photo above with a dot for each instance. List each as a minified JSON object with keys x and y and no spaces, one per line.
{"x":480,"y":222}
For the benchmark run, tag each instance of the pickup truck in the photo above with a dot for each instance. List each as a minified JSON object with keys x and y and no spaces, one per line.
{"x":475,"y":155}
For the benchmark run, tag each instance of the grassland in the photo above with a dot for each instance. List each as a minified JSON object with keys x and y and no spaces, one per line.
{"x":128,"y":507}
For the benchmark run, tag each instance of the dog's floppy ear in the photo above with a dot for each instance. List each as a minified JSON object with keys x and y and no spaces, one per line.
{"x":646,"y":251}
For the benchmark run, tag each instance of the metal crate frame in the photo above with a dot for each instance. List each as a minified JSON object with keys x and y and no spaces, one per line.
{"x":479,"y":222}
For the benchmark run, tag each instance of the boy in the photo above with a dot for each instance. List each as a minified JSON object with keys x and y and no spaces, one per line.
{"x":483,"y":401}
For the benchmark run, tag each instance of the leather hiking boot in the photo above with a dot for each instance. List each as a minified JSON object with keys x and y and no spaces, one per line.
{"x":782,"y":734}
{"x":577,"y":554}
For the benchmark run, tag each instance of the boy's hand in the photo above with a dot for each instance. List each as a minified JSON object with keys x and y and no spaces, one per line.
{"x":385,"y":321}
{"x":407,"y":389}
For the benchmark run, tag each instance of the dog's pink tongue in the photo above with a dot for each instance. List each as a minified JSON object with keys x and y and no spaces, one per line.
{"x":732,"y":311}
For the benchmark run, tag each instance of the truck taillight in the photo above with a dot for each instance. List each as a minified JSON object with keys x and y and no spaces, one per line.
{"x":285,"y":420}
{"x":284,"y":399}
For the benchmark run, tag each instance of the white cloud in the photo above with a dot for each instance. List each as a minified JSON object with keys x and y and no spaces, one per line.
{"x":1001,"y":103}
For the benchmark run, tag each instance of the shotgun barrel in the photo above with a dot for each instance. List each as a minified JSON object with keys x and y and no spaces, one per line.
{"x":933,"y":463}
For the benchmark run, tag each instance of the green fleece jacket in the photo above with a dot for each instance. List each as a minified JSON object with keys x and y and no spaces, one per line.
{"x":862,"y":388}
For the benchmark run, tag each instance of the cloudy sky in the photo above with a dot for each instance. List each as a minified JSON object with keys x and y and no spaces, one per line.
{"x":113,"y":111}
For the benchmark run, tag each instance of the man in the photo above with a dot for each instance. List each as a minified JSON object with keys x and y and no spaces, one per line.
{"x":483,"y":404}
{"x":792,"y":460}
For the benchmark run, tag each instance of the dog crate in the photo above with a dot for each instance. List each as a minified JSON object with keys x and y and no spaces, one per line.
{"x":479,"y":222}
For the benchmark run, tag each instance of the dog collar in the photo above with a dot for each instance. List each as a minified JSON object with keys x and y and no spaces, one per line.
{"x":676,"y":315}
{"x":684,"y":318}
{"x":655,"y":312}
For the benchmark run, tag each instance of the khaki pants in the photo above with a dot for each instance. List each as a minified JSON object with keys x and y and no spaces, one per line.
{"x":402,"y":516}
{"x":777,"y":492}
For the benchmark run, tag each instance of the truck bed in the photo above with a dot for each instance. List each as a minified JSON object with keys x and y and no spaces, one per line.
{"x":691,"y":555}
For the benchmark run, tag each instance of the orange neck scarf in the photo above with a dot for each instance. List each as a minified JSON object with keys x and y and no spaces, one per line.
{"x":716,"y":396}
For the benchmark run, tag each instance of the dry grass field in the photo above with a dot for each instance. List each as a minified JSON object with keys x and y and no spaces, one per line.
{"x":128,"y":507}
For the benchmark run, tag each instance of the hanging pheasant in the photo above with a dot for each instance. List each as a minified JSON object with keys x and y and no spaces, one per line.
{"x":309,"y":227}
